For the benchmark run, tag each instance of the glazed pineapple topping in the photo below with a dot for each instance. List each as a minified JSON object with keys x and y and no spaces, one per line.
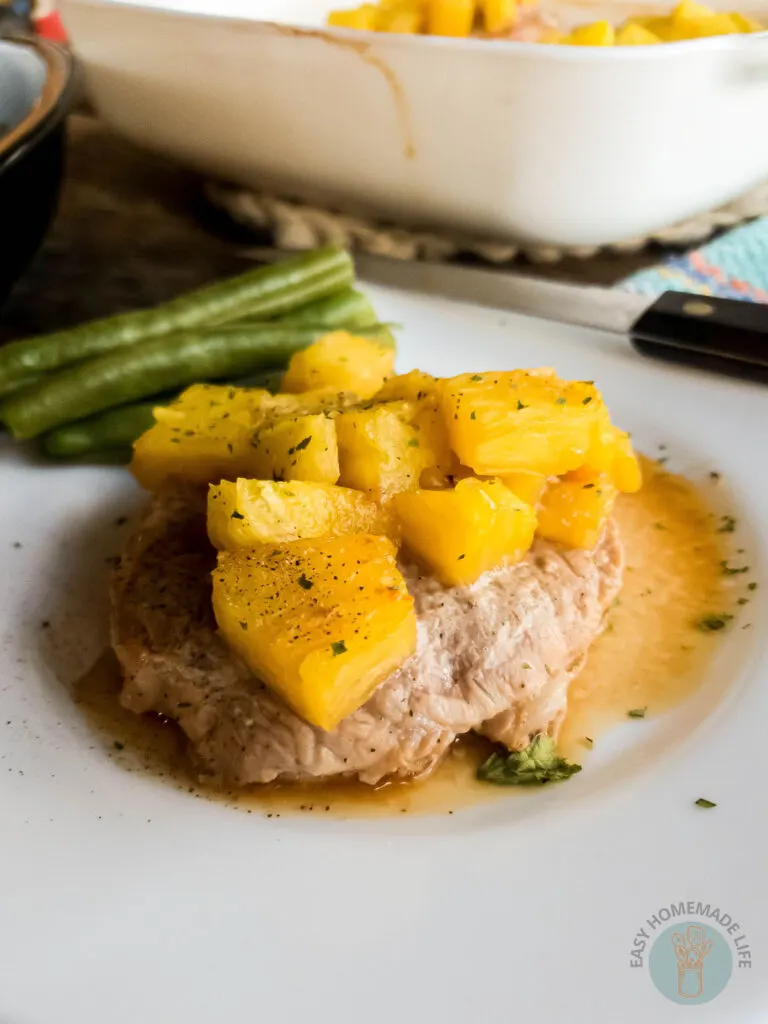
{"x":312,"y":493}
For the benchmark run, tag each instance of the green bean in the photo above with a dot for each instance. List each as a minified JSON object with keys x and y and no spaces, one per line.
{"x":116,"y":428}
{"x":348,"y":309}
{"x":150,"y":367}
{"x":266,"y":293}
{"x":10,"y":387}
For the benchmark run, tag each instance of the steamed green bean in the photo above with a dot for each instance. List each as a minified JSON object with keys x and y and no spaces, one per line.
{"x":266,"y":293}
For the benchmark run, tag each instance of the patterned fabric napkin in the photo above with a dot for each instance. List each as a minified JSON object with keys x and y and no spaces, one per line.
{"x":733,"y":266}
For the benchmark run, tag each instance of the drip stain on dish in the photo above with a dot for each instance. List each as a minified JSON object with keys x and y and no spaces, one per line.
{"x":652,"y":655}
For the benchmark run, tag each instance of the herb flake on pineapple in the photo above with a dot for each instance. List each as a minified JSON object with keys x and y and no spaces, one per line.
{"x":703,"y":802}
{"x":304,"y":583}
{"x":636,"y":712}
{"x":338,"y":647}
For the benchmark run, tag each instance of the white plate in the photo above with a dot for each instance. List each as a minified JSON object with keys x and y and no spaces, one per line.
{"x":123,"y":899}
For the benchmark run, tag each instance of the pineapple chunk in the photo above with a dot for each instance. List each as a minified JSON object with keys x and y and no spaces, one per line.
{"x":204,"y":435}
{"x":412,"y":387}
{"x":246,"y":513}
{"x":301,"y":447}
{"x":529,"y":487}
{"x":462,"y":533}
{"x":633,"y":34}
{"x":379,"y":450}
{"x":421,"y":393}
{"x":500,"y":423}
{"x":405,"y":17}
{"x":450,"y":17}
{"x":498,"y":15}
{"x":342,"y":362}
{"x":362,"y":18}
{"x":574,"y":510}
{"x":322,"y":623}
{"x":746,"y":24}
{"x":598,"y":33}
{"x":611,"y":452}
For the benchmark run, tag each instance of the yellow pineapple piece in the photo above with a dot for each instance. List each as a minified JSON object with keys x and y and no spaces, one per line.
{"x":575,"y":509}
{"x":529,"y":487}
{"x":322,"y":623}
{"x":460,"y":534}
{"x":633,"y":34}
{"x":245,"y":513}
{"x":362,"y":18}
{"x":379,"y":450}
{"x":300,"y":447}
{"x":412,"y":387}
{"x":450,"y":17}
{"x":688,"y":9}
{"x":406,"y":17}
{"x":598,"y":33}
{"x":500,"y":423}
{"x":498,"y":15}
{"x":611,"y":452}
{"x":204,"y":435}
{"x":746,"y":24}
{"x":341,"y":362}
{"x":421,"y":394}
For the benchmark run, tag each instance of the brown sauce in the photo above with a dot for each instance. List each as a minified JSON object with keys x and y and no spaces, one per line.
{"x":650,"y":657}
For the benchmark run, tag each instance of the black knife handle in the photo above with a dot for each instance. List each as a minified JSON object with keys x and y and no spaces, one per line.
{"x":722,"y":335}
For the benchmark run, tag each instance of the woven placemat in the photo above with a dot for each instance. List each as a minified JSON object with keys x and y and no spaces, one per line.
{"x":295,"y":225}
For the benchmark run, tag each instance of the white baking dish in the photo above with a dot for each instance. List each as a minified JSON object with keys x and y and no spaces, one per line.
{"x":542,"y":144}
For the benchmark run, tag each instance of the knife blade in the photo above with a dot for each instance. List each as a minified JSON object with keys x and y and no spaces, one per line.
{"x":720,"y":335}
{"x":724,"y":336}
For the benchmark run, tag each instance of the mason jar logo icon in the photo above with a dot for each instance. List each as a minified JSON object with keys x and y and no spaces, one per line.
{"x":690,"y":962}
{"x":691,"y":950}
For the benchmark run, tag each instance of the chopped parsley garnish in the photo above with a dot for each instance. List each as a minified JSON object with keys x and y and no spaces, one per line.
{"x":413,"y":443}
{"x":713,"y":623}
{"x":586,"y":487}
{"x":560,"y":401}
{"x":237,"y":515}
{"x":637,"y":713}
{"x":751,"y":586}
{"x":727,"y":524}
{"x":305,"y":583}
{"x":475,"y":377}
{"x":730,"y":571}
{"x":538,"y":764}
{"x":460,"y":558}
{"x":244,"y":626}
{"x":587,"y":400}
{"x":520,"y":405}
{"x":338,"y":647}
{"x":473,"y":415}
{"x":703,"y":802}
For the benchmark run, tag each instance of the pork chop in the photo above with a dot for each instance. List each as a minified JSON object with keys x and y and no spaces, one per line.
{"x":496,"y":656}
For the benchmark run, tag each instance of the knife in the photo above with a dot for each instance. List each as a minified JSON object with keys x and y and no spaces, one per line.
{"x":721,"y":335}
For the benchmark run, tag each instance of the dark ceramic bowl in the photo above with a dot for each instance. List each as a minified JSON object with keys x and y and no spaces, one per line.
{"x":36,"y":92}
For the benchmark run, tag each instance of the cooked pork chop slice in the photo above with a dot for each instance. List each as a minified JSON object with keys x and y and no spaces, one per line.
{"x":495,"y":656}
